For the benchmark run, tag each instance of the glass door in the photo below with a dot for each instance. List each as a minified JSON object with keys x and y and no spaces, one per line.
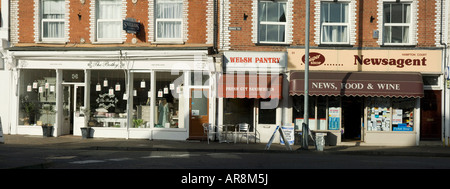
{"x":265,"y":119}
{"x":78,"y":108}
{"x":198,"y":112}
{"x":67,"y":126}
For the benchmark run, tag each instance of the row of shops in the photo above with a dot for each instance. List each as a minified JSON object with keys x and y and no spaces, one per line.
{"x":378,"y":97}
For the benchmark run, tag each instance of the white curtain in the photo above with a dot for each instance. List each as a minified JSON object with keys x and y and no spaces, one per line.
{"x":168,"y":17}
{"x":334,"y":22}
{"x":272,"y":21}
{"x":53,"y":18}
{"x":109,"y":18}
{"x":407,"y":16}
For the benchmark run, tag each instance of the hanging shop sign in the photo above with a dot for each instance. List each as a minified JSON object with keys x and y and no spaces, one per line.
{"x":130,"y":25}
{"x":235,"y":61}
{"x":428,"y":61}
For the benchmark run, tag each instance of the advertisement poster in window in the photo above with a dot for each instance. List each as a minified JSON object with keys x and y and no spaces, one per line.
{"x":334,"y":118}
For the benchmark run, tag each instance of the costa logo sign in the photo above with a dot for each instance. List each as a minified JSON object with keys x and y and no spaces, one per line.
{"x":315,"y":59}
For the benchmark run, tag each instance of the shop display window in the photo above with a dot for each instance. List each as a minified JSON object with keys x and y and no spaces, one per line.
{"x":403,"y":114}
{"x":141,"y":100}
{"x":378,"y":114}
{"x":299,"y":112}
{"x":37,"y":105}
{"x":169,"y":100}
{"x":324,"y":112}
{"x":238,"y":106}
{"x":108,"y":100}
{"x":334,"y":113}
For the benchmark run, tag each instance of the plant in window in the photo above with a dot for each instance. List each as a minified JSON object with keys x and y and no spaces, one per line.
{"x":47,"y":109}
{"x":29,"y":108}
{"x":138,"y":122}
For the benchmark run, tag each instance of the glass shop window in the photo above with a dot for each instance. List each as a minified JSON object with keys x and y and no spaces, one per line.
{"x":403,"y":114}
{"x":334,"y":113}
{"x":37,"y":92}
{"x":238,"y":106}
{"x":298,"y":112}
{"x":378,"y":114}
{"x":108,"y":101}
{"x":169,"y":100}
{"x":141,"y":100}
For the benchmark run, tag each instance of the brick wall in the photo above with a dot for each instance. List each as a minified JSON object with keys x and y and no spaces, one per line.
{"x":365,"y":21}
{"x":79,"y":19}
{"x":24,"y":17}
{"x":197,"y":22}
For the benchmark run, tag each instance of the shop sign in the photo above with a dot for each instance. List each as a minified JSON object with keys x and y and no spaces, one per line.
{"x":130,"y":25}
{"x":428,"y":61}
{"x":106,"y":65}
{"x":254,"y":61}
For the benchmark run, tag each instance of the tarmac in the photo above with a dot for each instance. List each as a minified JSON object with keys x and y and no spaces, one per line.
{"x":424,"y":149}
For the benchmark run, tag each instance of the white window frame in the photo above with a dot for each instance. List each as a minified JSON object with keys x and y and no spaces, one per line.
{"x":42,"y":21}
{"x":98,"y":20}
{"x":285,"y":24}
{"x":410,"y":25}
{"x":346,"y":24}
{"x":157,"y":20}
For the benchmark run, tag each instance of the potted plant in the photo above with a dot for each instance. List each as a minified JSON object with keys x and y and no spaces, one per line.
{"x":47,"y":128}
{"x":138,"y":122}
{"x":29,"y":109}
{"x":86,"y":130}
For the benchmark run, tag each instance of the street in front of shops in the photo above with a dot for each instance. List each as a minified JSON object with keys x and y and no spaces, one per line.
{"x":118,"y":159}
{"x":31,"y":152}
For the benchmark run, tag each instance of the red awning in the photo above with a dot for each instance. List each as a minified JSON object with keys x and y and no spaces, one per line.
{"x":250,"y":86}
{"x":357,"y":84}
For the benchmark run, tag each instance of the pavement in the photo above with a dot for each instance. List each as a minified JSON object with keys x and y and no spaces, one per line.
{"x":425,"y":149}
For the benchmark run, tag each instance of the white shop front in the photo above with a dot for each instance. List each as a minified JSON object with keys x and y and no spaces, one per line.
{"x":117,"y":93}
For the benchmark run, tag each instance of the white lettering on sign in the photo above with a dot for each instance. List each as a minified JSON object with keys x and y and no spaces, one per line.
{"x":249,"y":89}
{"x":356,"y":86}
{"x":386,"y":86}
{"x":323,"y":85}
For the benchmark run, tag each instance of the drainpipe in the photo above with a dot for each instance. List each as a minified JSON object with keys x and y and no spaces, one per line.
{"x":446,"y":106}
{"x":215,"y":27}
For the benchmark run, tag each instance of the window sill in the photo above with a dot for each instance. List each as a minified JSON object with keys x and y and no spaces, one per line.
{"x":107,"y":42}
{"x":335,"y":45}
{"x":272,"y":44}
{"x":398,"y":45}
{"x":59,"y":42}
{"x":168,"y":42}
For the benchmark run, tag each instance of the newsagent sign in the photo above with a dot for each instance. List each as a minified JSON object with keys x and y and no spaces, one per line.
{"x":424,"y":61}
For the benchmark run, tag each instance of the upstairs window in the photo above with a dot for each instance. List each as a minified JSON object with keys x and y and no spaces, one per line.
{"x":52,"y":22}
{"x":168,"y":18}
{"x":109,"y":20}
{"x":396,"y":23}
{"x":272,"y":21}
{"x":334,"y":23}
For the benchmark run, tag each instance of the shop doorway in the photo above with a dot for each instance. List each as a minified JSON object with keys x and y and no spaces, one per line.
{"x":352,"y":115}
{"x":73,"y":103}
{"x":198,"y":113}
{"x":430,"y":121}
